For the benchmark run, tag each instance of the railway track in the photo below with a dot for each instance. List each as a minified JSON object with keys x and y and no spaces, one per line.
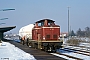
{"x":64,"y":52}
{"x":82,"y":50}
{"x":38,"y":54}
{"x":76,"y":51}
{"x":60,"y":55}
{"x":68,"y":57}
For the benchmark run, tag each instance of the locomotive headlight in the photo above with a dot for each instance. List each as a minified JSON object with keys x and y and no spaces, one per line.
{"x":43,"y":37}
{"x":58,"y":37}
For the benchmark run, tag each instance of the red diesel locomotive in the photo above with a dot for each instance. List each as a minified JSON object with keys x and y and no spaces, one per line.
{"x":45,"y":35}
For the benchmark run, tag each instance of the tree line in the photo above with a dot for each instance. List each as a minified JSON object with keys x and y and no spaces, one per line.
{"x":81,"y":33}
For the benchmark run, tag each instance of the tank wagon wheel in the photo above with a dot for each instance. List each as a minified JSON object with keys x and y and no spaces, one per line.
{"x":45,"y":48}
{"x":27,"y":42}
{"x":23,"y":42}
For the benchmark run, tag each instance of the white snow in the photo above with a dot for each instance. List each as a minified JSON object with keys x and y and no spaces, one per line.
{"x":84,"y":57}
{"x":10,"y":52}
{"x":82,"y":47}
{"x":62,"y":56}
{"x":77,"y":55}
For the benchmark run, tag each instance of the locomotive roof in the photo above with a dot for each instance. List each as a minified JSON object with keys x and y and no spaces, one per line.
{"x":44,"y":20}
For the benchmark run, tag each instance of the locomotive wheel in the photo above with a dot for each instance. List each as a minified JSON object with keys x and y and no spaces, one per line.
{"x":20,"y":41}
{"x":45,"y":48}
{"x":27,"y":43}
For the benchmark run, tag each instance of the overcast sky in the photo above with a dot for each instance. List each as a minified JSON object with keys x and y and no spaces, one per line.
{"x":29,"y":11}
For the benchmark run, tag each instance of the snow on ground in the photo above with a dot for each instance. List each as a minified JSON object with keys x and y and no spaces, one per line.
{"x":84,"y":57}
{"x":77,"y":55}
{"x":10,"y":52}
{"x":82,"y":47}
{"x":62,"y":56}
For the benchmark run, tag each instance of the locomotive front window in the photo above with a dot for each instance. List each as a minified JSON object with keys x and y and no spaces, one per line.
{"x":47,"y":36}
{"x":39,"y":24}
{"x":54,"y":36}
{"x":49,"y":23}
{"x":42,"y":23}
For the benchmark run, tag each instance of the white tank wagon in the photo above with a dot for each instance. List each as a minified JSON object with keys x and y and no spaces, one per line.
{"x":26,"y":31}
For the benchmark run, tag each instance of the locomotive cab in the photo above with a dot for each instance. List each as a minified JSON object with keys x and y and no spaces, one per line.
{"x":47,"y":29}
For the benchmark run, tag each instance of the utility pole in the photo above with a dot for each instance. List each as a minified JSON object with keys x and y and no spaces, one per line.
{"x":68,"y":23}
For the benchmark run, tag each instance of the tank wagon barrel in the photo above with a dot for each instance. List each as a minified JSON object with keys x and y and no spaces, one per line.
{"x":45,"y":35}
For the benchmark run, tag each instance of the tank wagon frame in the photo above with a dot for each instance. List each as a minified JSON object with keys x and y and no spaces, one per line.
{"x":45,"y":36}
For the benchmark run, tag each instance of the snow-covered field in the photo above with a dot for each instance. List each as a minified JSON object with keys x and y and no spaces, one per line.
{"x":10,"y":52}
